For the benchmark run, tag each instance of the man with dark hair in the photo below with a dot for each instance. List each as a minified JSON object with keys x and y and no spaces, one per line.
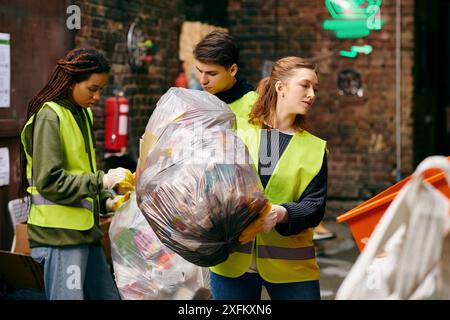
{"x":216,"y":60}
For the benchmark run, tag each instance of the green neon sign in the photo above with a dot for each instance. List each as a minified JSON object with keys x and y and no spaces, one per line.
{"x":355,"y":50}
{"x":353,"y":18}
{"x":354,"y":9}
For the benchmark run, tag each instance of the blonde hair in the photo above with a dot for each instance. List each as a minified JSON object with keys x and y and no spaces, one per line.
{"x":263,"y":110}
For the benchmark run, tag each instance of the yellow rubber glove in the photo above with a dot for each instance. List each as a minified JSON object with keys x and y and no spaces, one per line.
{"x":117,"y":201}
{"x":127,"y":184}
{"x":257,"y":226}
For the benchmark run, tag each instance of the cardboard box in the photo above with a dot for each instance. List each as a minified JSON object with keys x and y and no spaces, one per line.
{"x":105,"y":222}
{"x":23,"y":247}
{"x":22,"y":239}
{"x":21,"y":271}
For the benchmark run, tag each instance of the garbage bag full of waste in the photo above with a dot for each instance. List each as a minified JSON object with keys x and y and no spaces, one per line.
{"x":195,"y":182}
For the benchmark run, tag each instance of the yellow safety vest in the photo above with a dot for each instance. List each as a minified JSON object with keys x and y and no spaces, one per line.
{"x":280,"y":259}
{"x":45,"y":213}
{"x":242,"y":106}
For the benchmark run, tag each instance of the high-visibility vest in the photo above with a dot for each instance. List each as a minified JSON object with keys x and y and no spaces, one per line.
{"x":45,"y":213}
{"x":280,"y":259}
{"x":242,"y":106}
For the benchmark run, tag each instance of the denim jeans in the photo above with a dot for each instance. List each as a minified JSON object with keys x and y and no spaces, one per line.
{"x":76,"y":273}
{"x":249,"y":285}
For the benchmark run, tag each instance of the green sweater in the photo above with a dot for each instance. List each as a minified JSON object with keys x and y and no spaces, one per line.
{"x":55,"y":184}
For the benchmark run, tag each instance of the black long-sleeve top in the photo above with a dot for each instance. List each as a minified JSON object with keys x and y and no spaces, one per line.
{"x":308,"y":211}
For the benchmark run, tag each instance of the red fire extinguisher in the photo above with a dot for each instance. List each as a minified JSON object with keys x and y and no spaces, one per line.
{"x":181,"y":80}
{"x":116,"y":122}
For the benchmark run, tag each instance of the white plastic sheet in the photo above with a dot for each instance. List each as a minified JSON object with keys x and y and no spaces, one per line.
{"x":408,"y":253}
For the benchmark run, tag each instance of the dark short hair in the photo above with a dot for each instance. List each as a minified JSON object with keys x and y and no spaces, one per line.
{"x":217,"y":47}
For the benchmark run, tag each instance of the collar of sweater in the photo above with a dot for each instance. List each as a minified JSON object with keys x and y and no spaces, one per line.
{"x":240,"y":88}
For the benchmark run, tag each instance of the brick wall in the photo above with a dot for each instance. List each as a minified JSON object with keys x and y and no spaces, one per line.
{"x":360,"y":130}
{"x":105,"y":25}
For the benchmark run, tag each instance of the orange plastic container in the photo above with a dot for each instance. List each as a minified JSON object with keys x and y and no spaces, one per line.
{"x":363,"y":219}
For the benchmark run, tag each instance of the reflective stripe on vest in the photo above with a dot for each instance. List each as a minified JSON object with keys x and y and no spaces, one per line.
{"x":45,"y":213}
{"x":273,"y":252}
{"x":281,"y":259}
{"x":40,"y":200}
{"x":245,"y":248}
{"x":242,"y":106}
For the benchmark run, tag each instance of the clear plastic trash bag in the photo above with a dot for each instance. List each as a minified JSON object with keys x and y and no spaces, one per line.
{"x":144,"y":268}
{"x":194,"y":182}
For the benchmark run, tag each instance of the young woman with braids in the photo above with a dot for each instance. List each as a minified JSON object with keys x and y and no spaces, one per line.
{"x":292,"y":167}
{"x":67,"y":192}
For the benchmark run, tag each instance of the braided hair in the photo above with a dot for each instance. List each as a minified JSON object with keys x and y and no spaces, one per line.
{"x":77,"y":66}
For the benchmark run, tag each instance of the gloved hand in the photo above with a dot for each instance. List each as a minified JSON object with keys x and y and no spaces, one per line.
{"x":277,"y":214}
{"x":126,"y":185}
{"x":116,"y":202}
{"x":114,"y":176}
{"x":249,"y":233}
